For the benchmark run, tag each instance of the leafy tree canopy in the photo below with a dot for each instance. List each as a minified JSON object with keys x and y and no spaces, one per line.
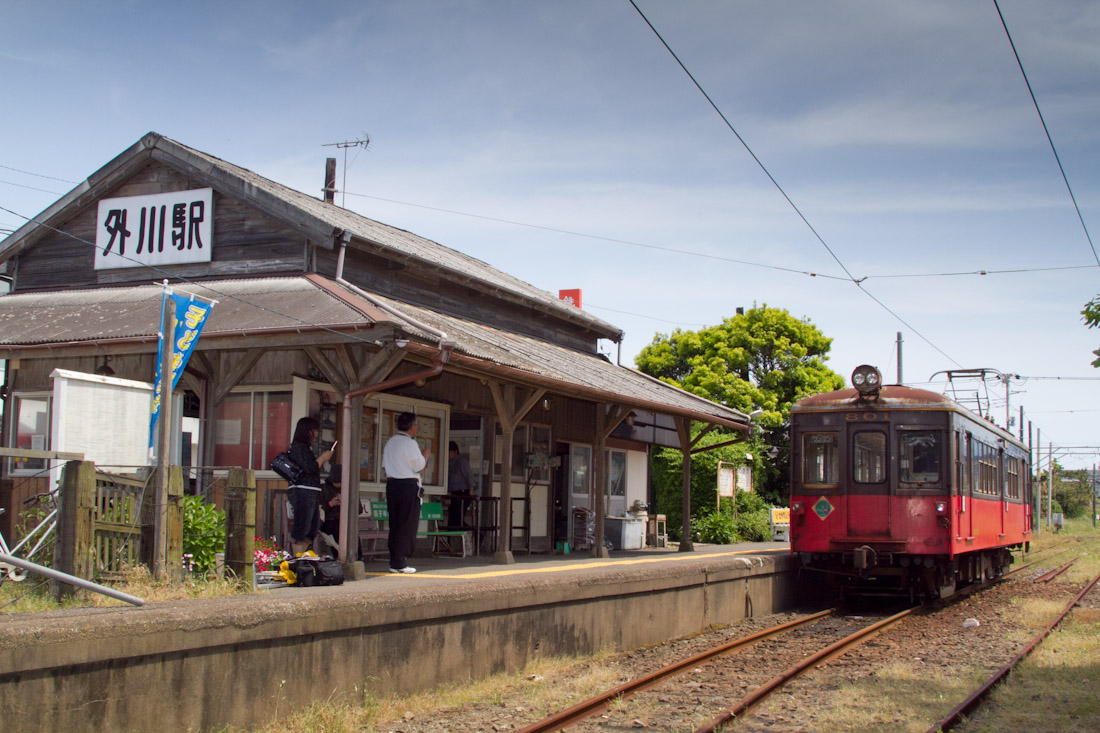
{"x":764,"y":358}
{"x":1092,"y":320}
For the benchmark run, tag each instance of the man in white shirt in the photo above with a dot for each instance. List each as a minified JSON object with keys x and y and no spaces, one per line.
{"x":403,"y":460}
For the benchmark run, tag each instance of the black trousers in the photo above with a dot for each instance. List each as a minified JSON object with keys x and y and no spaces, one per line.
{"x":403,"y":503}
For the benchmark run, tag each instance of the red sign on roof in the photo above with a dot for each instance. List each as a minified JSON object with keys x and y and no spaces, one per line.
{"x":572,"y":297}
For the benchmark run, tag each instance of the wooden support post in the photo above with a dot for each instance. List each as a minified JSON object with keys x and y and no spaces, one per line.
{"x":240,"y":523}
{"x":74,"y":549}
{"x":683,"y":429}
{"x":599,"y":491}
{"x":173,"y":525}
{"x":349,"y":492}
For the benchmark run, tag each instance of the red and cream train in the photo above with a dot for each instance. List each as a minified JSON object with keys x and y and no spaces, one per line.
{"x":901,"y":491}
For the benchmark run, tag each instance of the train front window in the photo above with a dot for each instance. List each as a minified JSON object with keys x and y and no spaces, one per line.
{"x":869,"y":457}
{"x":820,"y":458}
{"x":919,"y":455}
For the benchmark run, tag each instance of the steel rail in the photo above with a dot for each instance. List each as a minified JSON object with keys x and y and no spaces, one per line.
{"x":954,"y":717}
{"x":775,"y":683}
{"x":593,"y":705}
{"x":1051,"y":575}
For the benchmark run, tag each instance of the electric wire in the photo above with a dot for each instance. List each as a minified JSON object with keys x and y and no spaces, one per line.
{"x":602,"y":238}
{"x":1050,"y":140}
{"x":644,"y":245}
{"x":858,"y":282}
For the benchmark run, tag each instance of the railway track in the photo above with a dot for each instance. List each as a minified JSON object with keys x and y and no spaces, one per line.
{"x":964,"y":708}
{"x":781,"y":635}
{"x":712,"y":671}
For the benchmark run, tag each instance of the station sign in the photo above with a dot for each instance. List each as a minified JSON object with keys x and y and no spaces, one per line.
{"x":155,"y":230}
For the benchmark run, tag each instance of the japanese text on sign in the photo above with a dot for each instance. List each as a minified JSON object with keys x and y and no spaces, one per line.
{"x":159,"y":229}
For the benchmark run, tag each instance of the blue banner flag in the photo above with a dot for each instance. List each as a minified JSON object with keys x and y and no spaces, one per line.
{"x":191,"y":314}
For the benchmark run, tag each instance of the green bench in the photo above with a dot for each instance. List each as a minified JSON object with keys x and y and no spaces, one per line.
{"x":430,"y":512}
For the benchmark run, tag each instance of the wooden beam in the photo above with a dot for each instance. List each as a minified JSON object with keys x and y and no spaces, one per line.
{"x":334,"y":375}
{"x":234,"y":374}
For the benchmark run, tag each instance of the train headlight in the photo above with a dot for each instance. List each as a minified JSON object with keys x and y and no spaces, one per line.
{"x":796,"y":507}
{"x":941,"y":507}
{"x":867,"y":379}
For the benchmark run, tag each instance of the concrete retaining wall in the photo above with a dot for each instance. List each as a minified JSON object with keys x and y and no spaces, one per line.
{"x":203,"y":664}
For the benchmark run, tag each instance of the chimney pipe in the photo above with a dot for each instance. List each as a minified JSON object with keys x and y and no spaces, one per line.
{"x":330,"y":180}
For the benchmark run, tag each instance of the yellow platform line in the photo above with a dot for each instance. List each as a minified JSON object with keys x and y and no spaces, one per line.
{"x":525,"y":570}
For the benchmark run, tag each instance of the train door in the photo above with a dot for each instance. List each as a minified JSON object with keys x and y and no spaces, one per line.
{"x":966,"y":490}
{"x":869,"y":500}
{"x":1002,"y":483}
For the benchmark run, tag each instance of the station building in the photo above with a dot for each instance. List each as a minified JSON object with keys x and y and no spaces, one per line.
{"x":323,"y":312}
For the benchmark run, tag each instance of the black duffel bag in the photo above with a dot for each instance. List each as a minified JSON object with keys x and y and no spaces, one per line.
{"x":329,"y":572}
{"x":311,"y":571}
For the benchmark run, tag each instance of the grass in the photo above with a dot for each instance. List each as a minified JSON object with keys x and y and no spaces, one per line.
{"x":542,"y":687}
{"x":1053,"y":690}
{"x":32,"y":595}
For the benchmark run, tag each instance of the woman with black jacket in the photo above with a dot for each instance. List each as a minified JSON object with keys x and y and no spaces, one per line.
{"x":305,"y":495}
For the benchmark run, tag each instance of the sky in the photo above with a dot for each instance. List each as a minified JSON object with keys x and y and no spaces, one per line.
{"x":560,"y":141}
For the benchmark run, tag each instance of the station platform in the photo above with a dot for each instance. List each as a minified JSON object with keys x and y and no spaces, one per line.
{"x":206,"y":664}
{"x":432,"y":569}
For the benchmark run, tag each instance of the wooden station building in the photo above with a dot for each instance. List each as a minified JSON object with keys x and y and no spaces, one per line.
{"x":320,"y":311}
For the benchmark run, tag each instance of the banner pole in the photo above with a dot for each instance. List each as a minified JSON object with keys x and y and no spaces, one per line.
{"x":164,"y":432}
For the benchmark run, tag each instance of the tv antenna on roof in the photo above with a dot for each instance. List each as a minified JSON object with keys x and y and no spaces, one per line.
{"x":345,"y":145}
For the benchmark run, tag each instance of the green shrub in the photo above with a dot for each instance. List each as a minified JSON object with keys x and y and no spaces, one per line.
{"x":203,"y":535}
{"x":745,"y":519}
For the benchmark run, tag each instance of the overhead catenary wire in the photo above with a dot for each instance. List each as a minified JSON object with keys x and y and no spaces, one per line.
{"x":1046,"y":130}
{"x":648,"y":245}
{"x":858,"y":282}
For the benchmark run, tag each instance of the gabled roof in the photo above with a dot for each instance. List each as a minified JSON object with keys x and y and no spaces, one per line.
{"x":321,"y":222}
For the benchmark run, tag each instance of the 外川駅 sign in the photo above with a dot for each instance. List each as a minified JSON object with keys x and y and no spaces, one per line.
{"x":159,"y":229}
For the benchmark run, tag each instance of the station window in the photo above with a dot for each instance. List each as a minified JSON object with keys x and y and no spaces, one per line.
{"x":252,"y":428}
{"x":1012,"y":478}
{"x":31,"y":429}
{"x":820,"y":458}
{"x":869,"y":457}
{"x":919,"y":456}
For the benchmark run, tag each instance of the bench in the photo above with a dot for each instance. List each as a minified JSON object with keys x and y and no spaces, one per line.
{"x":430,"y":512}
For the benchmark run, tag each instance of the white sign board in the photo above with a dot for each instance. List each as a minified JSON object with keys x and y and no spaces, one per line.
{"x":744,"y":478}
{"x":725,"y":479}
{"x":159,"y":229}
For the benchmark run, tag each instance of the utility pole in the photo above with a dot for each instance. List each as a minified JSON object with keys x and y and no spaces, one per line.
{"x":164,"y":441}
{"x":1037,"y":500}
{"x":344,"y":146}
{"x":1050,"y":483}
{"x":900,"y":380}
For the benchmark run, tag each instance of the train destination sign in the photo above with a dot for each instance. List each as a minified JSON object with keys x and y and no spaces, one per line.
{"x":158,"y":229}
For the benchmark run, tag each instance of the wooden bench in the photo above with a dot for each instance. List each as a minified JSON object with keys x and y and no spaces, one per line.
{"x":430,"y":512}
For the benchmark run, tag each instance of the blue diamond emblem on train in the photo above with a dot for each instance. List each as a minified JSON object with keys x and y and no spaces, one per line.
{"x":822,"y":508}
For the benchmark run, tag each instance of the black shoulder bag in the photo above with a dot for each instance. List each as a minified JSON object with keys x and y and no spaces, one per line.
{"x":287,"y":469}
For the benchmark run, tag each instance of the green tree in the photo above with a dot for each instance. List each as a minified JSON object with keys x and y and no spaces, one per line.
{"x":763,"y":359}
{"x":1092,"y":320}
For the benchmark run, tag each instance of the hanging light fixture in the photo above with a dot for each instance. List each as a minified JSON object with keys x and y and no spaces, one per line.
{"x":103,"y":369}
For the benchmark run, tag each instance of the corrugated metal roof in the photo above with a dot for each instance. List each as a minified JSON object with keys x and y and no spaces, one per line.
{"x":311,"y":303}
{"x":244,"y":306}
{"x":546,"y":361}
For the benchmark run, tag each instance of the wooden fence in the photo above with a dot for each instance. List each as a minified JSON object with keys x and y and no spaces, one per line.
{"x":106,"y":522}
